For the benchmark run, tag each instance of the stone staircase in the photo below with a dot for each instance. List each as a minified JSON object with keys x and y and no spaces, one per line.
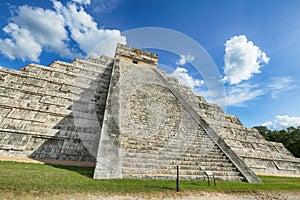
{"x":190,"y":103}
{"x":156,"y":155}
{"x":263,"y":157}
{"x":159,"y":163}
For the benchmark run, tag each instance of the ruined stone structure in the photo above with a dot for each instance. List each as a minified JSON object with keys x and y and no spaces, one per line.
{"x":129,"y":120}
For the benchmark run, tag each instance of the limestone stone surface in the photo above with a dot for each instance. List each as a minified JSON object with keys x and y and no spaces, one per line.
{"x":153,"y":130}
{"x":53,"y":112}
{"x":130,"y":120}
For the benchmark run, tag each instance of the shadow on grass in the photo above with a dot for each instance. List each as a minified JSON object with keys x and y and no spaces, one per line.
{"x":146,"y":185}
{"x":84,"y":171}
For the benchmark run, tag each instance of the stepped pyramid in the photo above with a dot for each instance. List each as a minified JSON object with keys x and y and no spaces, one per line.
{"x":129,"y":120}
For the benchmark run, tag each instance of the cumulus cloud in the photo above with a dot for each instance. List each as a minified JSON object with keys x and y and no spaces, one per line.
{"x":282,"y":122}
{"x":46,"y":27}
{"x":184,"y":59}
{"x":185,"y":79}
{"x":242,"y":59}
{"x":21,"y":45}
{"x":67,"y":30}
{"x":84,"y":29}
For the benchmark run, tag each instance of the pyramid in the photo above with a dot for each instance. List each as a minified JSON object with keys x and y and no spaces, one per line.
{"x":129,"y":120}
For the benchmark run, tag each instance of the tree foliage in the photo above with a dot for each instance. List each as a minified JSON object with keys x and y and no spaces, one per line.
{"x":289,"y":137}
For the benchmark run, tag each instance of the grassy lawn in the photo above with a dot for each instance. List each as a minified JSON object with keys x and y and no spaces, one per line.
{"x":37,"y":179}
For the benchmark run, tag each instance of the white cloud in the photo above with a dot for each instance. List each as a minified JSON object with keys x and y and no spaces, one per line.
{"x":279,"y":85}
{"x":21,"y":45}
{"x":67,"y":30}
{"x":282,"y":122}
{"x":239,"y":94}
{"x":104,"y":6}
{"x":82,"y":2}
{"x":46,"y":27}
{"x":84,"y":29}
{"x":242,"y":59}
{"x":185,"y":79}
{"x":184,"y":59}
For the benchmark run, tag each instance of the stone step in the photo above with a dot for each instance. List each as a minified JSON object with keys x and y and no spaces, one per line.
{"x":174,"y":140}
{"x":57,"y":71}
{"x":156,"y":145}
{"x":102,"y":60}
{"x":196,"y":149}
{"x":173,"y":177}
{"x":176,"y":160}
{"x":126,"y":170}
{"x":54,"y":133}
{"x":60,"y":69}
{"x":41,"y":78}
{"x":170,"y":154}
{"x":20,"y":90}
{"x":87,"y":65}
{"x":66,"y":69}
{"x":96,"y":61}
{"x":208,"y":166}
{"x":195,"y":166}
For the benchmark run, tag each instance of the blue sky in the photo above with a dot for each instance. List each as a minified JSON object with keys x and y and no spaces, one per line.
{"x":255,"y":44}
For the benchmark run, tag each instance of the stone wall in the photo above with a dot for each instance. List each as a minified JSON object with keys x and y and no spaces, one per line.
{"x":53,"y":112}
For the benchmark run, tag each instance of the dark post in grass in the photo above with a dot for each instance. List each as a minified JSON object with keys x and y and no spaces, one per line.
{"x":177,"y":180}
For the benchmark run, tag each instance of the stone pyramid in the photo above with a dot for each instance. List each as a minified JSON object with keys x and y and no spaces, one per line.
{"x":129,"y":120}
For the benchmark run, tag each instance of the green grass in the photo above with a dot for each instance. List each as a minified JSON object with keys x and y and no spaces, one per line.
{"x":37,"y":179}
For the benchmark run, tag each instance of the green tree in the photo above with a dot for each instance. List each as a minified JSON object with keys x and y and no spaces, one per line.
{"x":289,"y":137}
{"x":263,"y":130}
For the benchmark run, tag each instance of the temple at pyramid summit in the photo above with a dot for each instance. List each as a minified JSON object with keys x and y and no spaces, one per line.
{"x":129,"y":120}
